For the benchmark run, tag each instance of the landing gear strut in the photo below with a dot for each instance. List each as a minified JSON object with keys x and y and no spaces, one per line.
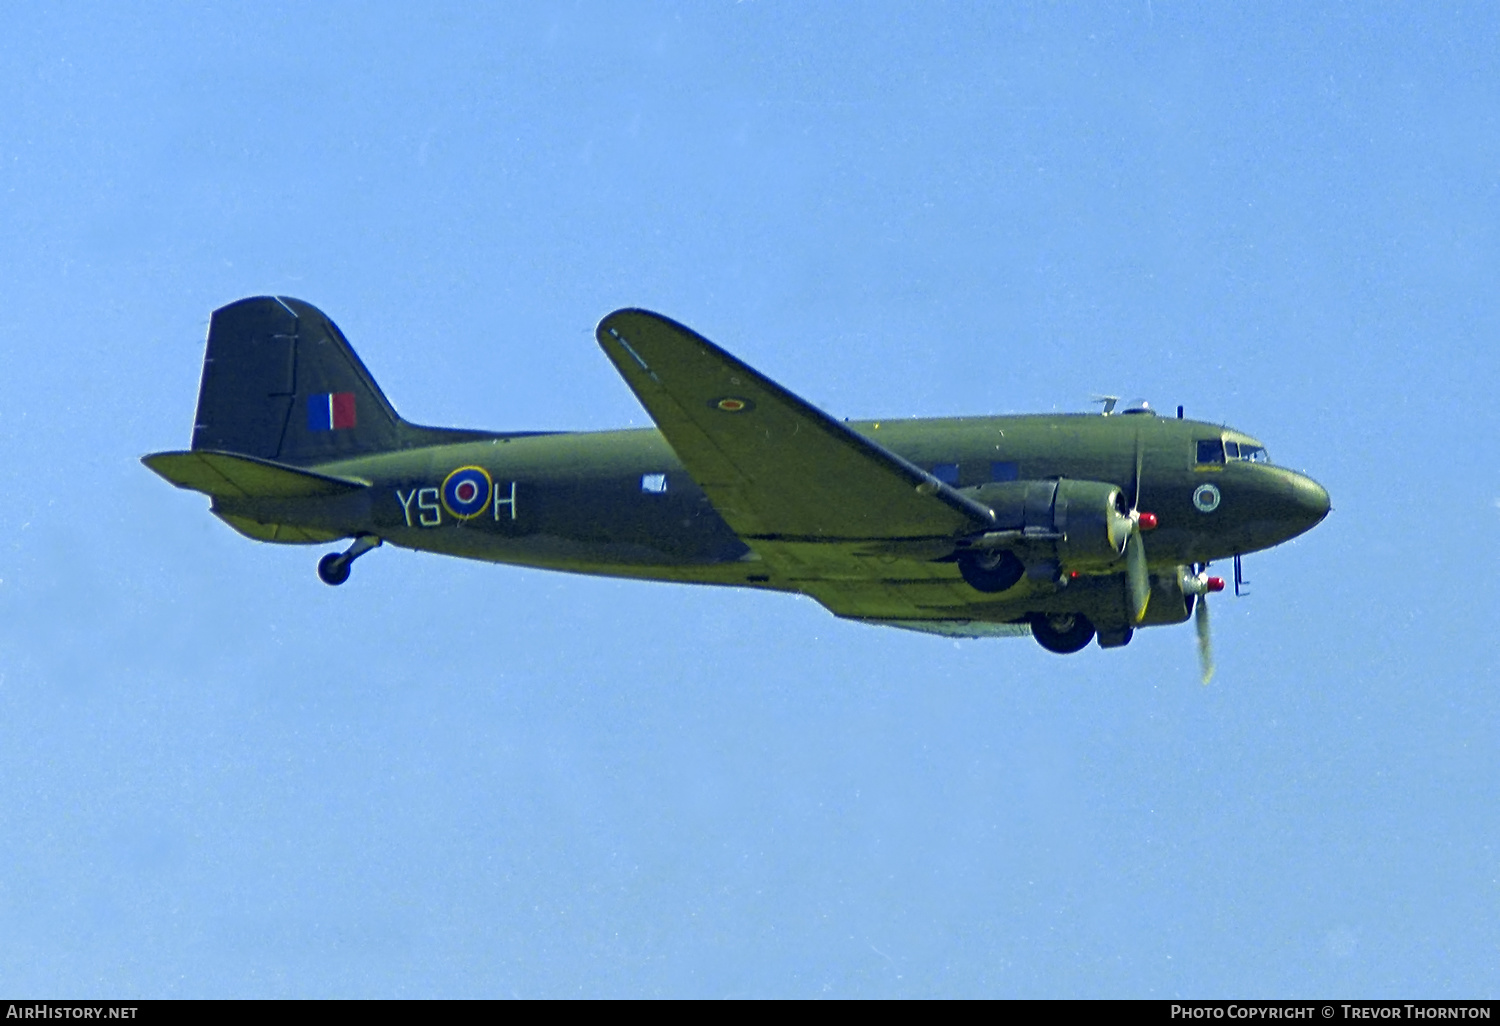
{"x":334,"y":568}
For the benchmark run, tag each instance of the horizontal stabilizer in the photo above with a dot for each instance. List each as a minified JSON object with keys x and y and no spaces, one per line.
{"x":225,"y":475}
{"x":281,"y":534}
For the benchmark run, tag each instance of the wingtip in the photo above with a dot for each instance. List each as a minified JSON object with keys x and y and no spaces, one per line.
{"x":613,"y":326}
{"x":625,"y":314}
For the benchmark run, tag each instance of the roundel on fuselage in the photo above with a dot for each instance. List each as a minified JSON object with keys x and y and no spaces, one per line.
{"x":466,"y":492}
{"x":1206,"y":497}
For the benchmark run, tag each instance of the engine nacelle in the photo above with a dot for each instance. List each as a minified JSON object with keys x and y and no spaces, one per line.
{"x":1085,"y":523}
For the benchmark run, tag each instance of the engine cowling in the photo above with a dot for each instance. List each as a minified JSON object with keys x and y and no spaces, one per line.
{"x":1085,"y":523}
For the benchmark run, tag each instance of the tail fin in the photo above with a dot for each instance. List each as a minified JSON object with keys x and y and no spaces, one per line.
{"x":280,"y":382}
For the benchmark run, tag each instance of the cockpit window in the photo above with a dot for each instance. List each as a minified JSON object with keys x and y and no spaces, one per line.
{"x":1211,"y":450}
{"x":1246,"y":451}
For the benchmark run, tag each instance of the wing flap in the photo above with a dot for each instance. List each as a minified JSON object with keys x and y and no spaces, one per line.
{"x":773,"y":465}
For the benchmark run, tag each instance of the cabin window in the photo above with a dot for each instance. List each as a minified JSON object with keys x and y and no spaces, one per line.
{"x":1211,"y":450}
{"x":654,"y":484}
{"x":1004,"y":471}
{"x":946,"y":473}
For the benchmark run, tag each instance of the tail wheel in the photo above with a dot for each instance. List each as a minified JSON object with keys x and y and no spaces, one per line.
{"x":333,"y":568}
{"x":991,"y":572}
{"x":1063,"y":633}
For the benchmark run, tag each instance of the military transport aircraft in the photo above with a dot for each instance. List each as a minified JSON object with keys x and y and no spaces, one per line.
{"x":1068,"y":527}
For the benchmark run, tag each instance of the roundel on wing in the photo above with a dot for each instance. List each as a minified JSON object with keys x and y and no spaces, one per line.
{"x":466,"y":492}
{"x":732,"y":404}
{"x":1206,"y":497}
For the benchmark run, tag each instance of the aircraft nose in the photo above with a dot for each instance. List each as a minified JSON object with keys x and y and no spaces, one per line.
{"x":1309,"y":500}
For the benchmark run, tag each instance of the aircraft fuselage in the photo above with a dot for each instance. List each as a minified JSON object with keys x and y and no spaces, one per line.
{"x":620,"y":502}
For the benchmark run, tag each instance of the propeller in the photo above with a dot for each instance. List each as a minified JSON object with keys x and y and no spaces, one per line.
{"x":1201,"y":585}
{"x":1137,"y":574}
{"x":1205,"y":640}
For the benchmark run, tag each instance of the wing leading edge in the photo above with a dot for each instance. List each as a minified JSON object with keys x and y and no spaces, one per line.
{"x":775,"y":467}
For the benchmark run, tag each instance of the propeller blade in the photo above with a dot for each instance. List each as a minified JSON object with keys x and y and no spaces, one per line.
{"x":1137,"y":577}
{"x":1205,"y":640}
{"x":1140,"y":459}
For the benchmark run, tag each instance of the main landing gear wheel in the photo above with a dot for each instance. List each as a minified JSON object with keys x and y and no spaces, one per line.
{"x":333,"y":569}
{"x":1063,"y":633}
{"x":991,"y":571}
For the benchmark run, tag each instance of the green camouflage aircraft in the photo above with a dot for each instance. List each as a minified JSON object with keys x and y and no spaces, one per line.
{"x":962,"y":526}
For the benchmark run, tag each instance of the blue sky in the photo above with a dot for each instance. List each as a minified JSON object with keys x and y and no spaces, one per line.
{"x":219,"y":777}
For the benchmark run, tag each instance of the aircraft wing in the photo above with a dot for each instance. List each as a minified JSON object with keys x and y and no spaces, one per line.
{"x":775,"y":467}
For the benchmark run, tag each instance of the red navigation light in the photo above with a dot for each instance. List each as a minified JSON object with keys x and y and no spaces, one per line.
{"x":1215,"y":584}
{"x":1147,"y":521}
